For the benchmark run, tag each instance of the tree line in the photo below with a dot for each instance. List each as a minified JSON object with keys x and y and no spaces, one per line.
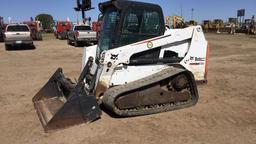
{"x":46,"y":20}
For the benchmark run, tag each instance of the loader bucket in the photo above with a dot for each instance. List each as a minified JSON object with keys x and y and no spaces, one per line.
{"x":60,"y":103}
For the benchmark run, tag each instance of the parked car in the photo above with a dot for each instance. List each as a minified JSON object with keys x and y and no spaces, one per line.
{"x":17,"y":34}
{"x":81,"y":35}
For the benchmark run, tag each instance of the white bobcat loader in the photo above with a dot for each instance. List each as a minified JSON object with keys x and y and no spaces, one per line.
{"x":138,"y":67}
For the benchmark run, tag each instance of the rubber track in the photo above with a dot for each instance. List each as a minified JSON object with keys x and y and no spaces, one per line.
{"x":111,"y":94}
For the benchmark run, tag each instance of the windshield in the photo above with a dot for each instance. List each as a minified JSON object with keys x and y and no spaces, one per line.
{"x":63,"y":23}
{"x":17,"y":28}
{"x":81,"y":28}
{"x":248,"y":21}
{"x":108,"y":27}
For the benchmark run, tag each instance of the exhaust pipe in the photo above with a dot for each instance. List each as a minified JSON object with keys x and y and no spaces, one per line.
{"x":61,"y":103}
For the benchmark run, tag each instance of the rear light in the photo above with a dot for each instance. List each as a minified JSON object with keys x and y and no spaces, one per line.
{"x":207,"y":61}
{"x":76,"y":33}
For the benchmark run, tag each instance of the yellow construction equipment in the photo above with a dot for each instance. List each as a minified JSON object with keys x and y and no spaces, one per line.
{"x":178,"y":22}
{"x":192,"y":23}
{"x":207,"y":25}
{"x":175,"y":22}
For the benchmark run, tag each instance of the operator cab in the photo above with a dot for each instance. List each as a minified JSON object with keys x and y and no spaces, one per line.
{"x":127,"y":22}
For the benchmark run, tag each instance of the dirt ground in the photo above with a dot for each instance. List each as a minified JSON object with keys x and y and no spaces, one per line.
{"x":225,"y":113}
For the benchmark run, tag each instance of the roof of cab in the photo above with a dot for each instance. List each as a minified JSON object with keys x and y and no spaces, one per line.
{"x":121,"y":4}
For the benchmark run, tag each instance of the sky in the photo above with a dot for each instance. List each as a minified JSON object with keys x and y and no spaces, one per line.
{"x":22,"y":10}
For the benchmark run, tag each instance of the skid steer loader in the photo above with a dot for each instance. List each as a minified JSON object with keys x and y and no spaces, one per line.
{"x":138,"y":68}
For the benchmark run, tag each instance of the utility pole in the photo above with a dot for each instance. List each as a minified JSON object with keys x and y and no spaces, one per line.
{"x":77,"y":19}
{"x":192,"y":14}
{"x":181,"y":10}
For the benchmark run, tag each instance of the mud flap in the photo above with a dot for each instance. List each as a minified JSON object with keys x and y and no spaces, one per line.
{"x":61,"y":103}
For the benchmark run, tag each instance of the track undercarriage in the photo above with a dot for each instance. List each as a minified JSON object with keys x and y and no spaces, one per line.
{"x":167,"y":90}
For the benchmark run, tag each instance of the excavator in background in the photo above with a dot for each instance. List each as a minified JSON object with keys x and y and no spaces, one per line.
{"x":61,"y":29}
{"x":178,"y":22}
{"x":36,"y":29}
{"x":252,"y":28}
{"x":231,"y":25}
{"x":248,"y":27}
{"x":232,"y":21}
{"x":207,"y":25}
{"x":218,"y":26}
{"x":138,"y":68}
{"x":175,"y":22}
{"x":191,"y":23}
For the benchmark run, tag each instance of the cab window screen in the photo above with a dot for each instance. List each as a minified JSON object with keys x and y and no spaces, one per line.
{"x":132,"y":21}
{"x":108,"y":26}
{"x":143,"y":22}
{"x":151,"y":22}
{"x":139,"y":24}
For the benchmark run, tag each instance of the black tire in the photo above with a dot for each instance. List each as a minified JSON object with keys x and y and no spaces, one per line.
{"x":32,"y":46}
{"x":95,"y":42}
{"x":1,"y":38}
{"x":63,"y":37}
{"x":7,"y":47}
{"x":59,"y":36}
{"x":68,"y":41}
{"x":76,"y":43}
{"x":39,"y":36}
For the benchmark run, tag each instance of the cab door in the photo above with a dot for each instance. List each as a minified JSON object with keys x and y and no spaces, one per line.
{"x":140,"y":24}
